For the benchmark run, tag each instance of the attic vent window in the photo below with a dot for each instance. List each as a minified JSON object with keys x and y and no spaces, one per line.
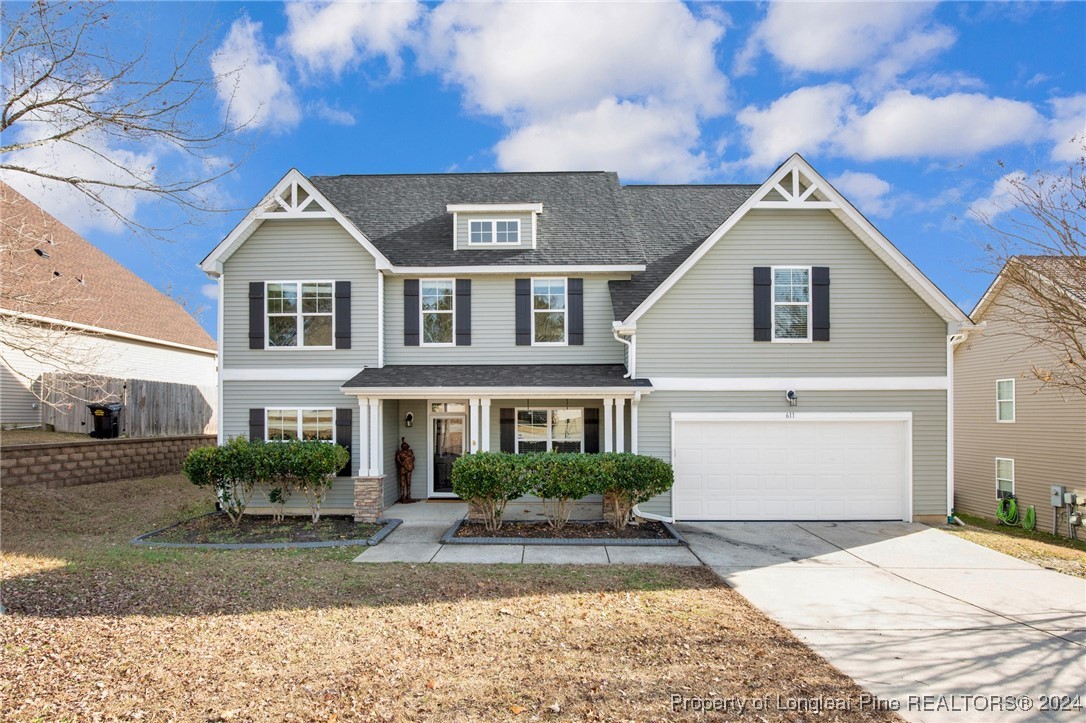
{"x":42,"y":253}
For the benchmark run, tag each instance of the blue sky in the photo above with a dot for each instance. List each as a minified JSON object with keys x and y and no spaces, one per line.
{"x":914,"y":111}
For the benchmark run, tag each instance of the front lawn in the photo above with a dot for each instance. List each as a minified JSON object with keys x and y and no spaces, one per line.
{"x":17,"y":437}
{"x":1041,"y":548}
{"x":100,"y":628}
{"x":250,"y":529}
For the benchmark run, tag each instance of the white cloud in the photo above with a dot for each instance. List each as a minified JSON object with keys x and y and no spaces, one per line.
{"x":1000,"y":198}
{"x":825,"y":37}
{"x":331,"y":37}
{"x":640,"y":142}
{"x":250,"y":82}
{"x":865,"y":191}
{"x":904,"y":125}
{"x":332,"y":114}
{"x":802,"y":121}
{"x":1068,"y":127}
{"x":210,"y":291}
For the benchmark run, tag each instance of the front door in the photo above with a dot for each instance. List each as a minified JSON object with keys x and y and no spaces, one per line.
{"x":448,"y":446}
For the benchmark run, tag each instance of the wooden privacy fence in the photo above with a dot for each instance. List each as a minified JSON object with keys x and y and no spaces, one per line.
{"x":151,"y":408}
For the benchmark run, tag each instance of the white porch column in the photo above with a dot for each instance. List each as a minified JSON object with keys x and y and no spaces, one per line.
{"x":620,"y":424}
{"x":374,"y":442}
{"x":380,"y":451}
{"x":473,"y":425}
{"x":609,"y":424}
{"x":633,"y":421}
{"x":363,"y":436}
{"x":484,"y":426}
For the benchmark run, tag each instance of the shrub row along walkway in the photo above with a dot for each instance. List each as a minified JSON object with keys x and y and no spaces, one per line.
{"x":418,"y":540}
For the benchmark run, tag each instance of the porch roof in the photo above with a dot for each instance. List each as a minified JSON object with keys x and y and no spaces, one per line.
{"x":492,"y":379}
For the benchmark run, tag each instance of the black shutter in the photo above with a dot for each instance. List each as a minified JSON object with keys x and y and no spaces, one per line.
{"x":256,"y":315}
{"x":344,"y":435}
{"x":507,"y":425}
{"x":575,"y":302}
{"x":763,"y":303}
{"x":463,"y":312}
{"x":820,"y":303}
{"x":411,"y":312}
{"x":343,"y":315}
{"x":592,"y":430}
{"x":524,"y":312}
{"x":256,"y":424}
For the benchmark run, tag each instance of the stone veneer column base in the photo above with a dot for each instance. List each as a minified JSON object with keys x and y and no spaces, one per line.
{"x":368,"y":498}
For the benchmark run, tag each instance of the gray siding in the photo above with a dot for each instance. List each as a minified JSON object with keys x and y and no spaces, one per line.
{"x":493,"y":329}
{"x":879,"y":327}
{"x":929,"y":429}
{"x":462,"y":236}
{"x":1047,"y":440}
{"x":300,"y":250}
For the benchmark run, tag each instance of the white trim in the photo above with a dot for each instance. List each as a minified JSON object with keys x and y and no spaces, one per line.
{"x":299,"y":423}
{"x":375,"y":438}
{"x":494,"y":243}
{"x":108,"y":332}
{"x":451,"y":313}
{"x":220,"y":314}
{"x":438,"y":393}
{"x":564,"y":309}
{"x":1013,"y":400}
{"x":997,"y":477}
{"x":287,"y":374}
{"x":431,"y":416}
{"x":869,"y":235}
{"x":381,"y":321}
{"x":363,"y":437}
{"x":550,"y":427}
{"x":773,"y":303}
{"x":813,"y":384}
{"x":299,"y":317}
{"x":561,"y":270}
{"x":494,"y":208}
{"x":801,"y":417}
{"x":213,"y":262}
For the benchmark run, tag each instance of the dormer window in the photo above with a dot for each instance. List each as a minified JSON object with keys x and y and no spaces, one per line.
{"x":494,"y":231}
{"x":494,"y":225}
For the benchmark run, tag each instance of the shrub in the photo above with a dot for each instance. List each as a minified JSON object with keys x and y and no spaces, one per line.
{"x":311,"y":467}
{"x":489,"y":480}
{"x":230,"y":471}
{"x":626,"y":480}
{"x":560,"y":480}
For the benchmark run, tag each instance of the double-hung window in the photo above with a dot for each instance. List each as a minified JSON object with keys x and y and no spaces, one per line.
{"x":494,"y":231}
{"x":286,"y":425}
{"x":550,"y":430}
{"x":1004,"y":477}
{"x":1005,"y":400}
{"x":549,"y":311}
{"x":791,"y":303}
{"x":299,"y":314}
{"x":438,"y":309}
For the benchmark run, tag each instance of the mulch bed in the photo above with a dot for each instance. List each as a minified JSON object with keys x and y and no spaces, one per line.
{"x":572,"y":531}
{"x":254,"y":529}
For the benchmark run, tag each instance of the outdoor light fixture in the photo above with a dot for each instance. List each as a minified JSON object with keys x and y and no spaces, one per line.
{"x":792,"y":397}
{"x":409,"y":419}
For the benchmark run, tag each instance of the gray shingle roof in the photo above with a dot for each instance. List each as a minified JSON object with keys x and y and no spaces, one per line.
{"x":497,"y":375}
{"x":404,"y":215}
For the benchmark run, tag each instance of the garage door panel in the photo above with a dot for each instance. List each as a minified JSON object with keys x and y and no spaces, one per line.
{"x":802,"y":470}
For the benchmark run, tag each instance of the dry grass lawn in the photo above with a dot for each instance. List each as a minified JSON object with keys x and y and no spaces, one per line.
{"x":16,"y":437}
{"x":100,"y":629}
{"x":1041,"y":548}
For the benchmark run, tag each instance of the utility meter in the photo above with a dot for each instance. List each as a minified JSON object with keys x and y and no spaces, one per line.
{"x":1057,"y":495}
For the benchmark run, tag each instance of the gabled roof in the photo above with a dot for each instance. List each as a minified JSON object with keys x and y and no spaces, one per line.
{"x":50,"y":272}
{"x":1063,"y":272}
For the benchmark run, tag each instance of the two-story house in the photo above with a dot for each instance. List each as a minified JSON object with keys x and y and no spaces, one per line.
{"x":765,"y":339}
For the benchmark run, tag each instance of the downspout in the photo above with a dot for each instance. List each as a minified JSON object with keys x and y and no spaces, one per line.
{"x":952,"y":341}
{"x":631,"y":353}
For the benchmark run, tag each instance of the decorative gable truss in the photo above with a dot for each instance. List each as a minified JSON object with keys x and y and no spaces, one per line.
{"x":294,"y":201}
{"x":795,"y":190}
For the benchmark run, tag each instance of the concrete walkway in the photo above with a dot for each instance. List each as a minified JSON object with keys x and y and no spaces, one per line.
{"x":417,"y":540}
{"x":906,"y":610}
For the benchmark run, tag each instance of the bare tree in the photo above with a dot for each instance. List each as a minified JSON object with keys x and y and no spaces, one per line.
{"x":1038,"y":240}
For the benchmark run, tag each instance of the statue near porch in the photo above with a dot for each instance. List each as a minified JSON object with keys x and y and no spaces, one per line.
{"x":405,"y":465}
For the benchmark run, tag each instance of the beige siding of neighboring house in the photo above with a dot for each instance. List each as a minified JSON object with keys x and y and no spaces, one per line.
{"x":1047,"y":440}
{"x":879,"y":327}
{"x":462,"y":240}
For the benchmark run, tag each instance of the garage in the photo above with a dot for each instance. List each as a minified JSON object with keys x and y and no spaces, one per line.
{"x":792,"y":466}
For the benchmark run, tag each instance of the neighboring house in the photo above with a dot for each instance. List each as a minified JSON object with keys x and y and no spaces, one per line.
{"x":67,"y":307}
{"x":1013,"y":434}
{"x":564,"y":311}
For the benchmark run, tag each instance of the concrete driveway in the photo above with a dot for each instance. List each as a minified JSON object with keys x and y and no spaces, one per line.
{"x":906,"y":610}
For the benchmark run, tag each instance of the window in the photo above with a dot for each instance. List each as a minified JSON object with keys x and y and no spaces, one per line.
{"x":285,"y":425}
{"x":550,"y":430}
{"x":1004,"y":477}
{"x":300,"y":314}
{"x":505,"y":231}
{"x":437,"y":306}
{"x":548,"y":311}
{"x":1005,"y":400}
{"x":791,"y":304}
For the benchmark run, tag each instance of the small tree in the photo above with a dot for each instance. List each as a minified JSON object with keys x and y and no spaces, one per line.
{"x":270,"y":468}
{"x":312,"y":467}
{"x":560,"y":480}
{"x":488,"y":480}
{"x":627,"y":480}
{"x":229,"y":471}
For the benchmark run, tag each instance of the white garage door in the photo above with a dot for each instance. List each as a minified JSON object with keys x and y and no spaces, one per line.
{"x":748,"y":467}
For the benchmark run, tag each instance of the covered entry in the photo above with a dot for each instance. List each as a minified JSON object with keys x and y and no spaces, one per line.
{"x":792,"y":466}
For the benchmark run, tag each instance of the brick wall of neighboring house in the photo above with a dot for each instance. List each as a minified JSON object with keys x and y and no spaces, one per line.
{"x":80,"y":463}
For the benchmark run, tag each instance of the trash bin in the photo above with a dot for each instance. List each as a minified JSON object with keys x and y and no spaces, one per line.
{"x":107,"y":420}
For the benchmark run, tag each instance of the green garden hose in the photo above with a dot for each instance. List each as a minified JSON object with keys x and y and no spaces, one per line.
{"x":1007,"y":511}
{"x":1029,"y":522}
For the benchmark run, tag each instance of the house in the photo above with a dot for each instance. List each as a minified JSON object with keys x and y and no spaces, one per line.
{"x":1014,"y":435}
{"x":765,"y":339}
{"x":67,"y":307}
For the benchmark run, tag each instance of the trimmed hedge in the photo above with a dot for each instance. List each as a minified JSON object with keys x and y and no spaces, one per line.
{"x":491,"y":479}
